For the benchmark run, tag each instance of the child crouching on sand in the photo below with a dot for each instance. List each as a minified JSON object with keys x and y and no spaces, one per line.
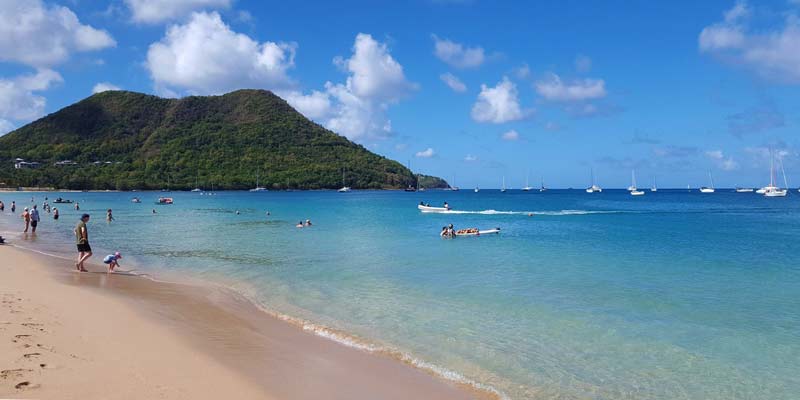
{"x":112,"y":260}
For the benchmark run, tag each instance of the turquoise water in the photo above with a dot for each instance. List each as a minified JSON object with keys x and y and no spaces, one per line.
{"x":674,"y":295}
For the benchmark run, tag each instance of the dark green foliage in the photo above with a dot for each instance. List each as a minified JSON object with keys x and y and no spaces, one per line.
{"x":226,"y":141}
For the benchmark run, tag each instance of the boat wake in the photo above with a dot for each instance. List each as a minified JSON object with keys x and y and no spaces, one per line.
{"x":548,"y":213}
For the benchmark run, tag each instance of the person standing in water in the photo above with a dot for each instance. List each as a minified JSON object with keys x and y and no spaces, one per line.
{"x":77,"y":206}
{"x":82,"y":241}
{"x":109,"y":217}
{"x":13,"y":206}
{"x":34,"y":219}
{"x":55,"y":213}
{"x":26,"y":216}
{"x":2,"y":206}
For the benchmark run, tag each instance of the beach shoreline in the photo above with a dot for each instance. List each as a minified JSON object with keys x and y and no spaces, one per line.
{"x":171,"y":336}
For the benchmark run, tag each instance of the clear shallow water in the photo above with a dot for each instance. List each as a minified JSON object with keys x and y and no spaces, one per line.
{"x":674,"y":295}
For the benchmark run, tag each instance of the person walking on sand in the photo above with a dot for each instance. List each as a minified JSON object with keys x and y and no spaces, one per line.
{"x":34,"y":218}
{"x":82,"y":240}
{"x":26,"y":216}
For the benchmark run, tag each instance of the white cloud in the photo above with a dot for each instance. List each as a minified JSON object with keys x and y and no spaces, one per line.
{"x":522,"y":72}
{"x":722,"y":162}
{"x":41,"y":36}
{"x":18,"y":100}
{"x":456,"y":54}
{"x":103,"y":87}
{"x":5,"y":126}
{"x":770,"y":53}
{"x":315,"y":105}
{"x":427,"y":153}
{"x":511,"y":136}
{"x":204,"y":56}
{"x":155,"y":11}
{"x":583,"y":63}
{"x":470,"y":158}
{"x":357,"y":108}
{"x":554,"y":89}
{"x":498,"y":104}
{"x":453,"y":82}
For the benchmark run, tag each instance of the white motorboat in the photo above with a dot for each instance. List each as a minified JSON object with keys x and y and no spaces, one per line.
{"x":477,"y":189}
{"x":429,"y":209}
{"x":744,"y":190}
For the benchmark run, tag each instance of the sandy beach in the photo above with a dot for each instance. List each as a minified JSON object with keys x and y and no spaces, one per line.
{"x":92,"y":336}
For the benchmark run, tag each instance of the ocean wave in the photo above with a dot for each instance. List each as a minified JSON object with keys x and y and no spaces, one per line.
{"x":358,"y":343}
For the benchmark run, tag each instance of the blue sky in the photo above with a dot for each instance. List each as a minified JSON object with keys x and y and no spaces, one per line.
{"x":475,"y":90}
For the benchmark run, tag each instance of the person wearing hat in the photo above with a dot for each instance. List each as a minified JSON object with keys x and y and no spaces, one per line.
{"x":82,"y":240}
{"x":112,"y":260}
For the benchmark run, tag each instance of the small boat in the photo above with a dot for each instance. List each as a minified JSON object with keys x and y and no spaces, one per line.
{"x":344,"y":188}
{"x":410,"y":189}
{"x":527,"y":187}
{"x":503,"y":188}
{"x":594,"y":188}
{"x":164,"y":200}
{"x":197,"y":190}
{"x":258,"y":187}
{"x":542,"y":188}
{"x":62,"y":201}
{"x":429,"y":209}
{"x":477,"y":189}
{"x":744,"y":190}
{"x":776,"y":191}
{"x":634,"y":191}
{"x":136,"y":200}
{"x":476,"y":232}
{"x":709,"y":189}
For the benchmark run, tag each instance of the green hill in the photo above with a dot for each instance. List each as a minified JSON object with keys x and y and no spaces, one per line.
{"x":125,"y":140}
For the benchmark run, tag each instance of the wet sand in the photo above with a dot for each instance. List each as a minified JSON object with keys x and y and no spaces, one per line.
{"x":93,"y":335}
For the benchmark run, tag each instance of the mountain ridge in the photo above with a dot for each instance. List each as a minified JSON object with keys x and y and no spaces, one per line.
{"x":127,"y":140}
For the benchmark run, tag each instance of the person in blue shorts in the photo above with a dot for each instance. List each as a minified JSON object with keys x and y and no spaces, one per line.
{"x":112,"y":260}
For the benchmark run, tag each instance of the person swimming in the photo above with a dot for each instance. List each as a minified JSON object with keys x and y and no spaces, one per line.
{"x":308,"y":222}
{"x":299,"y":224}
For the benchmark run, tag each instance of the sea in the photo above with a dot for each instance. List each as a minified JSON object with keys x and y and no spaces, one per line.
{"x":671,"y":295}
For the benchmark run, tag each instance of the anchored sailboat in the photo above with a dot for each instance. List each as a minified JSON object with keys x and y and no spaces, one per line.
{"x":594,"y":188}
{"x":527,"y":187}
{"x":503,"y":188}
{"x":655,"y":187}
{"x":344,"y":188}
{"x":772,"y":189}
{"x":634,"y":191}
{"x":258,"y":187}
{"x":707,"y":189}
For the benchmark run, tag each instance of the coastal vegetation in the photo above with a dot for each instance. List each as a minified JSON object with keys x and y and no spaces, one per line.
{"x":119,"y":140}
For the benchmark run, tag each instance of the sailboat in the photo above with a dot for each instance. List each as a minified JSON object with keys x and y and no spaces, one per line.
{"x":344,"y":188}
{"x":503,"y":188}
{"x":594,"y":188}
{"x":196,"y":186}
{"x":773,"y":190}
{"x":258,"y":187}
{"x":771,"y":186}
{"x":542,"y":188}
{"x":710,"y":189}
{"x":655,"y":187}
{"x":527,"y":187}
{"x":634,"y":191}
{"x":477,"y":189}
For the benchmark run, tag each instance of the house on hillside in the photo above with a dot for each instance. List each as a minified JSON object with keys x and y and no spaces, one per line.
{"x":65,"y":163}
{"x":20,"y":163}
